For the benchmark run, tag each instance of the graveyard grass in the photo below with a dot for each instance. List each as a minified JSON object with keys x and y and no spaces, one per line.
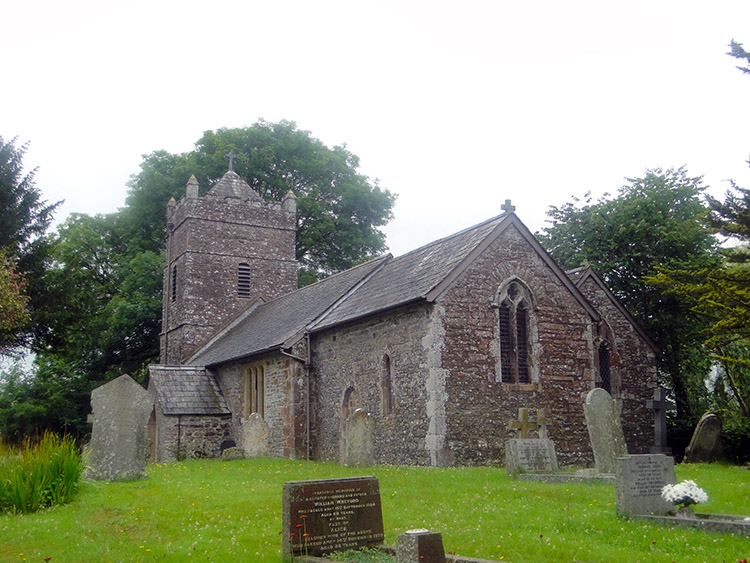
{"x":216,"y":510}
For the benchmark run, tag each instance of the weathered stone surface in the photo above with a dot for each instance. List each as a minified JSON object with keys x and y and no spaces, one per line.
{"x":207,"y":238}
{"x":121,"y":409}
{"x":321,"y":517}
{"x":605,"y":429}
{"x":705,"y":445}
{"x":529,"y":455}
{"x":360,"y":435}
{"x":420,"y":546}
{"x":255,"y":436}
{"x":639,"y":480}
{"x":232,"y":454}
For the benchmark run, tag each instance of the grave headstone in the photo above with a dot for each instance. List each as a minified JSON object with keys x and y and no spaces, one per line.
{"x":660,"y":405}
{"x":605,"y":429}
{"x":420,"y":546}
{"x":705,"y":445}
{"x":255,"y":436}
{"x":360,"y":439}
{"x":321,"y":517}
{"x":121,"y":410}
{"x":530,"y":455}
{"x":639,"y":480}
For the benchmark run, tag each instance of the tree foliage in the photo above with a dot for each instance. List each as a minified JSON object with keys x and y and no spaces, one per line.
{"x":25,"y":220}
{"x":14,"y":315}
{"x":654,"y":221}
{"x":339,"y":210}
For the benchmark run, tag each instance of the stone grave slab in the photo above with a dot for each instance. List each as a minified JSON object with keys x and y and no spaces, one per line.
{"x":530,"y":455}
{"x":705,"y":445}
{"x":605,"y":429}
{"x":639,"y":480}
{"x":255,"y":436}
{"x":121,"y":410}
{"x":320,"y":517}
{"x":360,"y":439}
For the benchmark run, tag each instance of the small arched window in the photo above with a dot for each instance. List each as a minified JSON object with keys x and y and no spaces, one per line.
{"x":514,"y":307}
{"x":243,"y":280}
{"x":386,"y":387}
{"x":255,"y":389}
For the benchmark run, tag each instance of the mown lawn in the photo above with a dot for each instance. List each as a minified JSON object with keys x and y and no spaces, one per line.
{"x":213,"y":510}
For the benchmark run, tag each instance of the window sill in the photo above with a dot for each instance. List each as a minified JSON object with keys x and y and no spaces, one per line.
{"x":522,"y":386}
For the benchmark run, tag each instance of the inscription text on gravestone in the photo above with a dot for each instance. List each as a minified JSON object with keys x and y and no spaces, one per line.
{"x":329,"y":515}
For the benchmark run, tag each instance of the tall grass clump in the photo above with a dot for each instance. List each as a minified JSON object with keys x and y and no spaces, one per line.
{"x":39,"y":474}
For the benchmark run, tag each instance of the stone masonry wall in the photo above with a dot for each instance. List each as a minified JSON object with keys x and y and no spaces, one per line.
{"x":209,"y":238}
{"x":352,"y":356}
{"x":285,"y":401}
{"x":633,"y":367}
{"x":479,"y":406}
{"x":190,"y":436}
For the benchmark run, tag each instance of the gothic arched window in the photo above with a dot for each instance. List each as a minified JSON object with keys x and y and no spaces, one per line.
{"x":514,"y":318}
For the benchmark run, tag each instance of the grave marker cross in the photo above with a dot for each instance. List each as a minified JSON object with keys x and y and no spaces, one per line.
{"x":523,"y":424}
{"x":660,"y":405}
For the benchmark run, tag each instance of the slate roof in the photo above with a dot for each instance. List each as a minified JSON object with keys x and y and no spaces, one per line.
{"x":183,"y":390}
{"x":410,"y":277}
{"x":271,"y":325}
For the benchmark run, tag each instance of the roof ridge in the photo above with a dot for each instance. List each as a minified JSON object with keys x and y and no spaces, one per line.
{"x":454,"y":235}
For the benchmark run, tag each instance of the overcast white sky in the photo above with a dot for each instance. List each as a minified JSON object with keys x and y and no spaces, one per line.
{"x":454,"y":106}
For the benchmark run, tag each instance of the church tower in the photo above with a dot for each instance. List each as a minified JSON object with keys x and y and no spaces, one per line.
{"x":225,"y":250}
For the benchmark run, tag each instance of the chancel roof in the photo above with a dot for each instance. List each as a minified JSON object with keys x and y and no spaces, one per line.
{"x":186,"y":390}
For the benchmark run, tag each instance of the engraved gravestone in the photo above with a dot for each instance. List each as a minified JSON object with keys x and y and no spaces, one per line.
{"x":360,"y":439}
{"x":705,"y":445}
{"x":121,"y":409}
{"x":605,"y":429}
{"x":639,"y":480}
{"x":321,"y":517}
{"x":255,"y":436}
{"x":530,"y":455}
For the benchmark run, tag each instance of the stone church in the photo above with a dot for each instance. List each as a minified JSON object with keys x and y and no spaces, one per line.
{"x":441,"y":346}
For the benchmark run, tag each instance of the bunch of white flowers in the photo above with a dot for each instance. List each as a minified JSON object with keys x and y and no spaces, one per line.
{"x":685,"y":493}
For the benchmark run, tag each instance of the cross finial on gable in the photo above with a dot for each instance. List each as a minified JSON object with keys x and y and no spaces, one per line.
{"x":507,"y":207}
{"x":230,"y":155}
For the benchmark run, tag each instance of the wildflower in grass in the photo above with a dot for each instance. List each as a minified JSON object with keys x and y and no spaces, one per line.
{"x":684,"y":493}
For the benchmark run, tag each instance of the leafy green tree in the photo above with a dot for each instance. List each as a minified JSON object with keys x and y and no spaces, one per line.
{"x":25,"y":220}
{"x":339,"y":211}
{"x":14,"y":315}
{"x":108,"y":320}
{"x":654,"y":221}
